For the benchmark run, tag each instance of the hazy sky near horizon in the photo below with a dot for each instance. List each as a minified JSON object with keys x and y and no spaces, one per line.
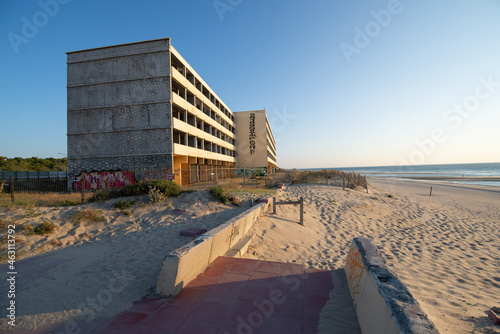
{"x":345,"y":83}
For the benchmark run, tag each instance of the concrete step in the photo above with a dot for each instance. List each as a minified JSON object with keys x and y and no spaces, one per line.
{"x":241,"y":246}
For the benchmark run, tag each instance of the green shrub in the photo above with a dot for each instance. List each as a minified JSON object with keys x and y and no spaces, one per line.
{"x":123,"y":204}
{"x":134,"y":190}
{"x":166,"y":187}
{"x":218,"y":193}
{"x":44,"y":228}
{"x":155,"y":195}
{"x":100,"y":196}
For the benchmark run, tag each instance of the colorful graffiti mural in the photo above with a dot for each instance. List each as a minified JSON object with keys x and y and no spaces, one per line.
{"x":104,"y":180}
{"x":354,"y":263}
{"x":250,"y":172}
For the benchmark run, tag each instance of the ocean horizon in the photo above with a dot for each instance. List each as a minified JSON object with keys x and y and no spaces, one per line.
{"x":431,"y":172}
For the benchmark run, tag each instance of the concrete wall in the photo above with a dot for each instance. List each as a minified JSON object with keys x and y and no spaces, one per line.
{"x":383,"y":303}
{"x":119,"y":108}
{"x":185,"y":263}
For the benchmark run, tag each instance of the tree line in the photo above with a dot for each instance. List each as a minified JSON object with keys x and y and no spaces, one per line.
{"x":33,"y":164}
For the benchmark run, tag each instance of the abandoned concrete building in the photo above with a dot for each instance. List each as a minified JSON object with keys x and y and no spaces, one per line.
{"x":142,"y":107}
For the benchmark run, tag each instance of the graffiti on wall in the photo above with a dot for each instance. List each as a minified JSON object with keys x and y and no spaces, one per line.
{"x":251,"y":172}
{"x":104,"y":180}
{"x":354,"y":263}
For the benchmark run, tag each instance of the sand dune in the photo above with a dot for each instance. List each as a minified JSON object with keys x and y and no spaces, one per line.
{"x":89,"y":271}
{"x":444,"y":247}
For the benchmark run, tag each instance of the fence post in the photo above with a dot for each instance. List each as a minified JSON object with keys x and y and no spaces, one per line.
{"x":244,"y":177}
{"x":12,"y":196}
{"x":82,"y":183}
{"x":274,"y":205}
{"x":302,"y":211}
{"x":343,"y":184}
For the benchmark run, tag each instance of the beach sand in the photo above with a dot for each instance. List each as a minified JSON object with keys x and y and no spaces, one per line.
{"x":444,"y":247}
{"x":90,"y":271}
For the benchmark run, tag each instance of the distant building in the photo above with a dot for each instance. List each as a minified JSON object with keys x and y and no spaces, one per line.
{"x":255,"y":144}
{"x":141,"y":106}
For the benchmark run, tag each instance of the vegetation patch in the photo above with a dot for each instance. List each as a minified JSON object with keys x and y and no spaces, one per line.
{"x":44,"y":228}
{"x":28,"y":229}
{"x":124,"y":204}
{"x":38,"y":200}
{"x":218,"y":193}
{"x":33,"y":164}
{"x":166,"y":187}
{"x":156,"y":196}
{"x":88,"y":215}
{"x":68,"y":203}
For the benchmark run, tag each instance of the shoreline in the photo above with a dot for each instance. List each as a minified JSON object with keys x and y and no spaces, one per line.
{"x":419,"y":182}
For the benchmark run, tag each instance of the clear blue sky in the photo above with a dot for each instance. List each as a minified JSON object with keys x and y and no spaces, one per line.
{"x":345,"y":83}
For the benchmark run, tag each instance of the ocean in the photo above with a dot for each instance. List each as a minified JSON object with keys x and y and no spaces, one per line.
{"x":488,"y":173}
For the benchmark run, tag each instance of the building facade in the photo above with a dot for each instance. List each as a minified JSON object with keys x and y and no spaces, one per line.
{"x":255,"y":144}
{"x":141,"y":106}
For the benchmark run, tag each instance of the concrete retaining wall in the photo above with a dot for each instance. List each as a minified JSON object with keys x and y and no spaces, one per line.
{"x":184,"y":264}
{"x":383,"y":303}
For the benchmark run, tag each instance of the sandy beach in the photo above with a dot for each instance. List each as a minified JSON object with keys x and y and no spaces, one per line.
{"x":88,"y":271}
{"x":444,"y":247}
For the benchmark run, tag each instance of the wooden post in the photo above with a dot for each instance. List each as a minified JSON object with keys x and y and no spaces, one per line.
{"x":244,"y":177}
{"x":12,"y":196}
{"x":343,"y":184}
{"x":430,"y":194}
{"x":274,"y":205}
{"x":302,"y":211}
{"x":82,"y":183}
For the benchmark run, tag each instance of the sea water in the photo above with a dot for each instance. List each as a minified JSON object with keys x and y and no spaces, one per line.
{"x":423,"y":171}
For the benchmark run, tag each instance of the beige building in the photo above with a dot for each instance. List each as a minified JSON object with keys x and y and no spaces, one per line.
{"x":255,"y":144}
{"x":142,"y":107}
{"x":203,"y":128}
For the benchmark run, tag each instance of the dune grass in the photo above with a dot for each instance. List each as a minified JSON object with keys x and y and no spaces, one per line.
{"x":39,"y":200}
{"x":88,"y":216}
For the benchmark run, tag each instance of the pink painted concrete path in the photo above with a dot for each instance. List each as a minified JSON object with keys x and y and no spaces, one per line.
{"x":232,"y":296}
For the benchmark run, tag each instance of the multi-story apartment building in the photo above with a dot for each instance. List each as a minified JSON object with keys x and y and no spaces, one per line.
{"x":141,"y":106}
{"x":255,"y":144}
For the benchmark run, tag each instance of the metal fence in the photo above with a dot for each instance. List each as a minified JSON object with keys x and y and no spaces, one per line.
{"x":34,"y":181}
{"x":199,"y":177}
